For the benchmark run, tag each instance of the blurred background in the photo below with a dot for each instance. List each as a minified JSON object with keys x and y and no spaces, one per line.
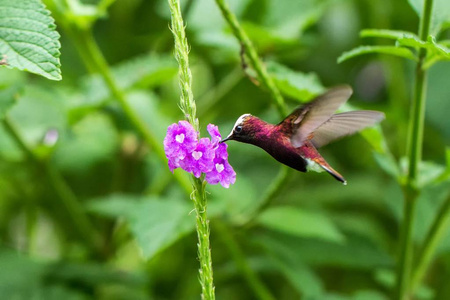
{"x":94,"y":213}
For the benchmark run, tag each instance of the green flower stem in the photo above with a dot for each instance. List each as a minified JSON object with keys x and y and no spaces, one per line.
{"x":437,"y":230}
{"x":249,"y":49}
{"x":187,"y":105}
{"x":68,"y":200}
{"x":95,"y":62}
{"x":203,"y":231}
{"x":259,"y":289}
{"x":263,"y":77}
{"x":414,"y":151}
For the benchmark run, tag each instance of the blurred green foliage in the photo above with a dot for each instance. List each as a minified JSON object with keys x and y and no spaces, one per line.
{"x":318,"y":240}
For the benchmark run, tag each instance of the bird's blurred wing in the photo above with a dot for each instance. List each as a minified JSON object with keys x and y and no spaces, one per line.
{"x":343,"y":124}
{"x":305,"y":120}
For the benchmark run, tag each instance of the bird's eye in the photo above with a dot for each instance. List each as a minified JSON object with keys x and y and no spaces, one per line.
{"x":238,"y":129}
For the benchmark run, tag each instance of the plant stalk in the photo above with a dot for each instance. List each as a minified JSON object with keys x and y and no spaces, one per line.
{"x":203,"y":232}
{"x":277,"y":98}
{"x":414,"y":151}
{"x":434,"y":235}
{"x":188,"y":106}
{"x":250,"y":50}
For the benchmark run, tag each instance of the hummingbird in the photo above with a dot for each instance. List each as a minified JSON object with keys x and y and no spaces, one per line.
{"x":295,"y":140}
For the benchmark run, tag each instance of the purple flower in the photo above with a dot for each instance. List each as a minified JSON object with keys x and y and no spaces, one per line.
{"x":222,"y":172}
{"x":184,"y":150}
{"x":200,"y":160}
{"x":180,"y":141}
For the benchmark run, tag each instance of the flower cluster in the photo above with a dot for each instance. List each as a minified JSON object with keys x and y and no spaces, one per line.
{"x":184,"y":150}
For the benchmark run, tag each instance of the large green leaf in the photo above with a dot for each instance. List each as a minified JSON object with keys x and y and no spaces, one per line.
{"x":299,"y":274}
{"x":155,"y":223}
{"x":37,"y":110}
{"x":290,"y":18}
{"x":28,"y":39}
{"x":355,"y":253}
{"x":299,"y":222}
{"x":295,"y":84}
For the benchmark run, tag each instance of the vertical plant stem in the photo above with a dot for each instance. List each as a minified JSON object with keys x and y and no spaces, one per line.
{"x":187,"y":105}
{"x":203,"y":231}
{"x":437,"y":230}
{"x":258,"y":287}
{"x":277,"y":98}
{"x":78,"y":217}
{"x":406,"y":245}
{"x":414,"y":151}
{"x":249,"y":49}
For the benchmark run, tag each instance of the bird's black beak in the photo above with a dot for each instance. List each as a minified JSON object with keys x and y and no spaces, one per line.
{"x":230,"y":137}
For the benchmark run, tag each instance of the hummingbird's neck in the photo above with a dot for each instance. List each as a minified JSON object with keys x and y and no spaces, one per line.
{"x":261,"y":132}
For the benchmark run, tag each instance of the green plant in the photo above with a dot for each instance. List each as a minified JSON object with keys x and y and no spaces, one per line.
{"x":90,"y":209}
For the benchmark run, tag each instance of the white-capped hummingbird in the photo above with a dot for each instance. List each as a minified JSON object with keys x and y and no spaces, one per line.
{"x":295,"y":140}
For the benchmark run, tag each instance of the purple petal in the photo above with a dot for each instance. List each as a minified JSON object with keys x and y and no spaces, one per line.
{"x":214,"y":132}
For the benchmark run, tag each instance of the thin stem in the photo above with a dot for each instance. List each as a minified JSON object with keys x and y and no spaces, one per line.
{"x":437,"y":230}
{"x":188,"y":106}
{"x":249,"y":49}
{"x":258,"y":287}
{"x":277,"y":98}
{"x":67,"y":198}
{"x":203,"y":231}
{"x":187,"y":103}
{"x":414,"y":152}
{"x":406,"y":245}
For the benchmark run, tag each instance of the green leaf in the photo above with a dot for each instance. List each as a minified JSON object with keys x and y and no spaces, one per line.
{"x":155,"y":223}
{"x":429,"y":173}
{"x":28,"y":39}
{"x":295,"y":84}
{"x":375,"y":137}
{"x":300,"y":275}
{"x":298,"y":222}
{"x":440,"y":17}
{"x":37,"y":110}
{"x":291,"y":18}
{"x":392,"y":50}
{"x":355,"y":253}
{"x":431,"y":45}
{"x":92,"y":140}
{"x":385,"y":33}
